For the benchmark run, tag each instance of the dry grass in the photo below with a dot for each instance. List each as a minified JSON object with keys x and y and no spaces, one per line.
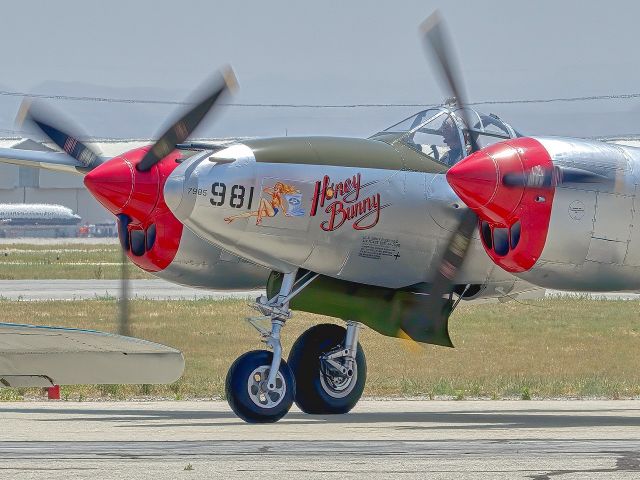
{"x":551,"y":348}
{"x":76,"y":261}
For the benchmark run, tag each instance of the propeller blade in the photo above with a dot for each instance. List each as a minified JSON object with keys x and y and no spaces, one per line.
{"x":44,"y":118}
{"x":430,"y":327}
{"x":450,"y":263}
{"x":187,"y":123}
{"x":123,"y":300}
{"x":437,"y":41}
{"x":539,"y":177}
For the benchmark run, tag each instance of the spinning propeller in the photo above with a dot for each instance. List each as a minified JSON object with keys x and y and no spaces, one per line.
{"x":184,"y":126}
{"x":477,"y":177}
{"x":43,"y":117}
{"x":66,"y":136}
{"x":436,"y":41}
{"x":550,"y":178}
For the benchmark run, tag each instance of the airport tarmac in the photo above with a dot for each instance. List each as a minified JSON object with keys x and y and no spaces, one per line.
{"x":60,"y":241}
{"x":157,"y":289}
{"x":378,"y":440}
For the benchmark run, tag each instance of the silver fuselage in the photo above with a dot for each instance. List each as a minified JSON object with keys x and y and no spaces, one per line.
{"x":391,"y":231}
{"x":594,"y":232}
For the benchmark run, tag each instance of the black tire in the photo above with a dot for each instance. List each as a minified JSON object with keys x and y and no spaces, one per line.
{"x":312,"y":393}
{"x":237,"y":388}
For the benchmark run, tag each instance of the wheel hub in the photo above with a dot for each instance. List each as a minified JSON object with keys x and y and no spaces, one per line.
{"x":336,"y":383}
{"x":258,"y":388}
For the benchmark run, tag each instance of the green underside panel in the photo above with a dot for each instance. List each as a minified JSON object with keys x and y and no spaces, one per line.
{"x":383,"y":309}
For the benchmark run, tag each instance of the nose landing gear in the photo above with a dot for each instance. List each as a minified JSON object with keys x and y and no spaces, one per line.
{"x":325,"y":374}
{"x":260,"y":386}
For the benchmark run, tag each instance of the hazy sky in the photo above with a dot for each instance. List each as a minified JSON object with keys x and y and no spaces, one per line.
{"x":322,"y":52}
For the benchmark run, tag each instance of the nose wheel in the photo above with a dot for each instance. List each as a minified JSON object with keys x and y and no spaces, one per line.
{"x":260,"y":386}
{"x":248,"y":391}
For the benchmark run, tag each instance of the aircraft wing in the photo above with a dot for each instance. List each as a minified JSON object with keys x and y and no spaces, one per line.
{"x":36,"y":356}
{"x":48,"y":160}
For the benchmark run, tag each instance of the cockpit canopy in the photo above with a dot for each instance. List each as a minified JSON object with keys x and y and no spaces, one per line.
{"x":441,"y":133}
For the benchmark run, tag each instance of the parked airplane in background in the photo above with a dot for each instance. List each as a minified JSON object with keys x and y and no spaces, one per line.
{"x":33,"y":214}
{"x":37,"y":220}
{"x":371,"y":230}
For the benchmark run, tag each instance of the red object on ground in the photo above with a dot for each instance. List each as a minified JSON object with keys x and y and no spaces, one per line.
{"x":53,"y":393}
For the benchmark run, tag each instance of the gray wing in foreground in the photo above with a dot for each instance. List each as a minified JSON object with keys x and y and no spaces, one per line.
{"x":36,"y":356}
{"x":37,"y":159}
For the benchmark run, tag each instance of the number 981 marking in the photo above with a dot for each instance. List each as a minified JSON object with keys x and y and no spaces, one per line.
{"x":237,"y":196}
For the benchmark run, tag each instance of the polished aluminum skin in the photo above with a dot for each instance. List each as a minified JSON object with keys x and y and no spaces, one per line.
{"x":396,"y":225}
{"x":199,"y":263}
{"x":593,"y":243}
{"x":594,"y":234}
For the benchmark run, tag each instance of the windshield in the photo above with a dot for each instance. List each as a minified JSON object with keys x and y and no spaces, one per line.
{"x":441,"y":134}
{"x":492,"y":130}
{"x":414,"y":121}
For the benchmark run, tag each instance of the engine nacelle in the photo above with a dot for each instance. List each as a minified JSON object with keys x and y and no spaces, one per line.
{"x":514,"y":219}
{"x":153,"y":238}
{"x":554,"y":212}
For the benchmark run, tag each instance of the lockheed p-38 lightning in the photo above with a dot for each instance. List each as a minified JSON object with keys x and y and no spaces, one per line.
{"x":391,"y":231}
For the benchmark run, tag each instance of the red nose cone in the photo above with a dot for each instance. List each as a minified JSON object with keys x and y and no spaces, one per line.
{"x":112,"y":184}
{"x":153,"y":232}
{"x":478,"y":181}
{"x":475,"y":179}
{"x":121,"y":188}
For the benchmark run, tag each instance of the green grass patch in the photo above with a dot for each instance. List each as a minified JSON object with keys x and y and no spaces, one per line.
{"x":69,"y":261}
{"x":552,"y":348}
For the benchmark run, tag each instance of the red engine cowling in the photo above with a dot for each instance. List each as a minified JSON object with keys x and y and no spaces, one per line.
{"x":513,"y":219}
{"x":149,"y":232}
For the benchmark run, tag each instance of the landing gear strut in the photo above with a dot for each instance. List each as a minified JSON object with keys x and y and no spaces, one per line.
{"x":260,"y":386}
{"x":325,"y":374}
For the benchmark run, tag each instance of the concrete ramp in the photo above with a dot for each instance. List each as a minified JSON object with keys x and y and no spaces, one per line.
{"x":37,"y":356}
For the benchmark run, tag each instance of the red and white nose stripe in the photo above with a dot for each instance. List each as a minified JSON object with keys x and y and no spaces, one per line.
{"x":503,"y":208}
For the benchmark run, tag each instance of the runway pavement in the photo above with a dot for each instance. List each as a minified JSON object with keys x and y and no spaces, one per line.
{"x":91,"y":289}
{"x":379,"y":440}
{"x":157,"y":289}
{"x":60,"y":241}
